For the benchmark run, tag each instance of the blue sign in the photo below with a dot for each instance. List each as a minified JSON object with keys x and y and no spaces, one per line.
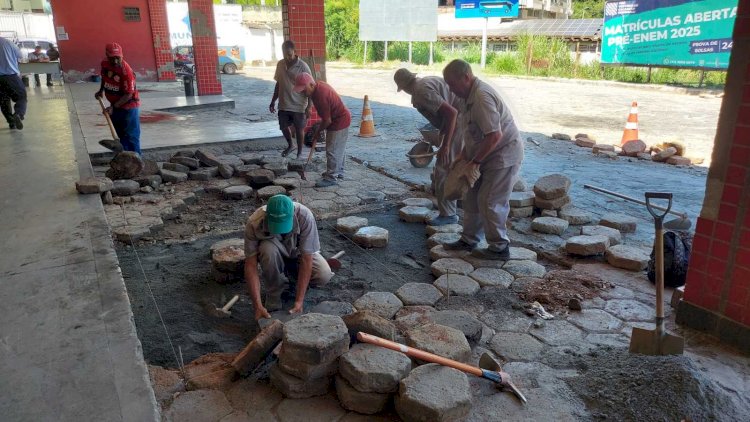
{"x":486,"y":8}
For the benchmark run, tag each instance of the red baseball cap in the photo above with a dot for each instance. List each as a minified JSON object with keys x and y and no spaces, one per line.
{"x":302,"y":81}
{"x":113,"y":50}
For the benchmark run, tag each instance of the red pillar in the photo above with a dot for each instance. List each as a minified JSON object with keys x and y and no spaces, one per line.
{"x":717,"y":293}
{"x":304,"y":23}
{"x":205,"y":49}
{"x":157,"y":11}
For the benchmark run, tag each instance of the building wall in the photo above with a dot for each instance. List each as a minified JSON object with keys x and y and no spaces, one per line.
{"x":717,"y":293}
{"x":91,"y":24}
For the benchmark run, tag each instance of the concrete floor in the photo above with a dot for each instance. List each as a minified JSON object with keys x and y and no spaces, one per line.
{"x":69,"y":347}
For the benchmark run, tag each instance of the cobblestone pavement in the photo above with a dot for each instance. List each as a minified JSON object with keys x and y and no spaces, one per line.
{"x":541,"y":107}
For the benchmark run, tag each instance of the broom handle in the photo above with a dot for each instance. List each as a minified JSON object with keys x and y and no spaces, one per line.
{"x":419,"y":354}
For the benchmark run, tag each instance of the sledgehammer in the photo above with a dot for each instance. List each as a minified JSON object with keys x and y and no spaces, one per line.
{"x":334,"y":262}
{"x":500,"y":378}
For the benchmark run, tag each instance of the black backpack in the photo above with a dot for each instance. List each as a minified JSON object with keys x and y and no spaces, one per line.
{"x":677,"y":247}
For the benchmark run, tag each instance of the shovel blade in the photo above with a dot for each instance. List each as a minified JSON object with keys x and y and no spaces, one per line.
{"x":648,"y":342}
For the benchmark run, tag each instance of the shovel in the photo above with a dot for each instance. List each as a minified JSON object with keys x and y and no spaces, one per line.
{"x":114,"y":143}
{"x":657,"y":341}
{"x":501,"y":379}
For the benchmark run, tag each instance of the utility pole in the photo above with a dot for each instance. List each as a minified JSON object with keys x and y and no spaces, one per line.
{"x":484,"y":43}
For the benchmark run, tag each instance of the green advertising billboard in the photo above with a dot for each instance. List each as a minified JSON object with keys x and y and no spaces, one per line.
{"x":674,"y":33}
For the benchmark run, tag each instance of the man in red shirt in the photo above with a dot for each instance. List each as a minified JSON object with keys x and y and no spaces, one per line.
{"x":118,"y":85}
{"x":335,"y":119}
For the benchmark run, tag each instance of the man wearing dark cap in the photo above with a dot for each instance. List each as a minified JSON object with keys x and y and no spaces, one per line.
{"x":118,"y":85}
{"x":433,"y":99}
{"x":335,"y":119}
{"x":283,"y":237}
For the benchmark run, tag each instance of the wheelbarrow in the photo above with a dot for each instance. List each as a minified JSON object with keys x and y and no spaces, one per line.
{"x":421,"y":154}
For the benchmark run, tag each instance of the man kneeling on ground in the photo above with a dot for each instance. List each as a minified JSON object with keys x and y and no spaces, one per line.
{"x":283,"y":237}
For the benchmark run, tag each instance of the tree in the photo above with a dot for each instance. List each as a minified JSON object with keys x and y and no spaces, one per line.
{"x":588,"y":9}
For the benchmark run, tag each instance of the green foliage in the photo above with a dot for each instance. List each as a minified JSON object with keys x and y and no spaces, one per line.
{"x":588,"y":9}
{"x":506,"y":63}
{"x":342,"y":29}
{"x":420,"y":52}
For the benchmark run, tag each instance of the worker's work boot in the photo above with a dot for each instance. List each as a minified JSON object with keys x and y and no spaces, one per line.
{"x":442,"y":220}
{"x":458,"y":245}
{"x":18,"y":120}
{"x":492,"y":254}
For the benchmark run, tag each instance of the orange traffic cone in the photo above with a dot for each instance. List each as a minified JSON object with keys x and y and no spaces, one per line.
{"x":367,"y":125}
{"x":631,"y":126}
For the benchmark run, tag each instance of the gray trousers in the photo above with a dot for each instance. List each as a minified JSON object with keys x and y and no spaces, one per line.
{"x":335,"y":152}
{"x":275,"y":262}
{"x":440,"y":174}
{"x":486,"y":208}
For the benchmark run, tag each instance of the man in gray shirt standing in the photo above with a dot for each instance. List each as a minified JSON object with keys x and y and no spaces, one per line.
{"x":493,"y":143}
{"x":294,"y":108}
{"x":431,"y":96}
{"x":283,"y":238}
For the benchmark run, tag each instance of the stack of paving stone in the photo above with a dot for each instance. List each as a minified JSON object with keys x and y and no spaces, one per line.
{"x":522,"y":204}
{"x":228,"y":260}
{"x":368,"y":377}
{"x":200,"y":165}
{"x":311,"y":347}
{"x":551,"y":198}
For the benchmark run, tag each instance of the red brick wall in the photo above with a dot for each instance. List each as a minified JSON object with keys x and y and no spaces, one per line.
{"x":304,"y":23}
{"x":91,"y":24}
{"x":162,"y":48}
{"x":205,"y":50}
{"x":719,"y":275}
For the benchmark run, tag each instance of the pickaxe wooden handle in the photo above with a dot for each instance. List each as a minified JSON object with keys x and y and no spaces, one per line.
{"x":500,"y":378}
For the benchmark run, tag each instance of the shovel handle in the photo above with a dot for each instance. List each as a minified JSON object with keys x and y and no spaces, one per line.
{"x":109,"y":120}
{"x":652,"y":209}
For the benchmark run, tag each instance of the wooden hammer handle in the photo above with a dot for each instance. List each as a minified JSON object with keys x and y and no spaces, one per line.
{"x":109,"y":120}
{"x":338,"y":255}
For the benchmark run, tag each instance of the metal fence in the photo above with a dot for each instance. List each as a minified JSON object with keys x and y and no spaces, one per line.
{"x":27,"y":25}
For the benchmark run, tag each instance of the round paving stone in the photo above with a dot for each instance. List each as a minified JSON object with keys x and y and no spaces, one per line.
{"x":315,"y":338}
{"x":252,"y":158}
{"x":621,"y":222}
{"x":373,"y":369}
{"x":525,"y":269}
{"x":558,"y":332}
{"x":627,"y":258}
{"x":516,"y":346}
{"x":297,"y":388}
{"x":288,"y":183}
{"x":130,"y":234}
{"x":522,"y":254}
{"x":521,"y":199}
{"x":461,"y":321}
{"x":438,"y":252}
{"x":89,"y":185}
{"x":237,"y":192}
{"x":574,"y":215}
{"x":613,"y":234}
{"x":260,"y":177}
{"x":520,"y":186}
{"x":412,"y":214}
{"x":587,"y":245}
{"x":521,"y":212}
{"x":371,"y":237}
{"x":434,"y":393}
{"x":125,"y":165}
{"x":279,"y":168}
{"x":458,"y":285}
{"x":630,"y":310}
{"x":549,"y":225}
{"x":442,"y":238}
{"x":418,"y":294}
{"x":329,"y":307}
{"x":552,"y":204}
{"x":350,"y":225}
{"x":269,"y":191}
{"x":357,"y":401}
{"x":552,"y":186}
{"x":383,"y":304}
{"x":417,"y":202}
{"x":595,"y":320}
{"x":124,"y":187}
{"x":447,"y":228}
{"x":371,"y":197}
{"x":440,"y":340}
{"x":492,"y":277}
{"x":228,"y":256}
{"x":452,"y":266}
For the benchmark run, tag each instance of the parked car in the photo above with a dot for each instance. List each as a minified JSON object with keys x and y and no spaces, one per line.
{"x":26,"y":45}
{"x":228,"y":64}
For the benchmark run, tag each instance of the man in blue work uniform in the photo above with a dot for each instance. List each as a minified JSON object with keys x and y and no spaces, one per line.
{"x":11,"y":86}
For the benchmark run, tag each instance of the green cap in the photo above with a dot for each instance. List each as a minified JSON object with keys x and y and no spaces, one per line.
{"x":280,"y":214}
